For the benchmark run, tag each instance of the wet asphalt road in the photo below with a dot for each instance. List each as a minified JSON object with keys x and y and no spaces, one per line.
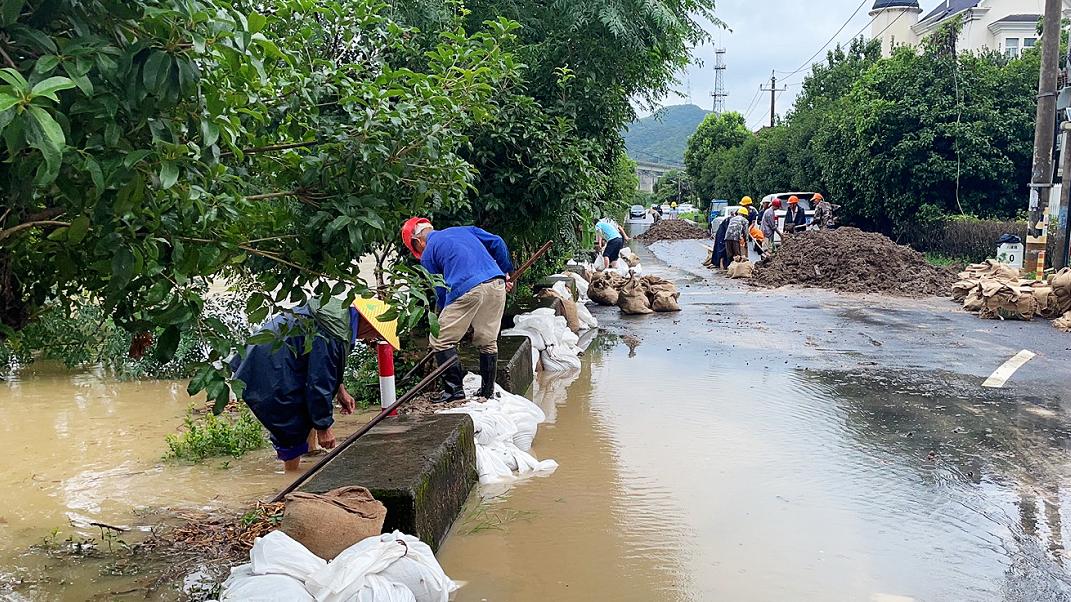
{"x":864,"y":417}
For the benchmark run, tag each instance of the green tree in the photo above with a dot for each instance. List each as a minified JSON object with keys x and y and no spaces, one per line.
{"x":676,"y":187}
{"x":154,"y":145}
{"x":716,"y":133}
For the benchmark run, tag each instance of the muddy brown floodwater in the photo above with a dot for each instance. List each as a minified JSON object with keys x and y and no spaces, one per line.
{"x":758,"y":446}
{"x":81,"y":447}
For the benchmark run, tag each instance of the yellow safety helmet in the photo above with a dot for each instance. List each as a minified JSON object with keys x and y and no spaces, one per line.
{"x":743,"y":211}
{"x":746,"y":201}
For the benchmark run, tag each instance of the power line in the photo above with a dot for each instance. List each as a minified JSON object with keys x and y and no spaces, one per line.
{"x":891,"y":23}
{"x":751,"y":107}
{"x":764,"y":115}
{"x":807,"y":63}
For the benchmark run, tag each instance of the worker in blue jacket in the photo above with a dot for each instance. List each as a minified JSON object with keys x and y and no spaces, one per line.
{"x":476,"y":267}
{"x":291,"y":390}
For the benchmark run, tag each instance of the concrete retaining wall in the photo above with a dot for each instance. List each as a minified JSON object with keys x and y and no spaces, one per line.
{"x":422,"y":469}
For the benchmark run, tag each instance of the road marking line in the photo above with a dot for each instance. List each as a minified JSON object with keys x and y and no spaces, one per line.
{"x":1010,"y":367}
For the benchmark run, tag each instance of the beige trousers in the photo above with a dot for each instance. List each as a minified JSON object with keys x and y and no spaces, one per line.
{"x":482,"y":309}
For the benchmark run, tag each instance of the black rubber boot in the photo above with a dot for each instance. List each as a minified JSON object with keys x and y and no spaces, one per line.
{"x":488,"y":372}
{"x":453,"y":379}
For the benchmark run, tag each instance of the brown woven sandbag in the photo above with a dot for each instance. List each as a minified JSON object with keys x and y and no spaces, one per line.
{"x":1063,"y":324}
{"x":603,"y":293}
{"x":961,"y":289}
{"x":1009,"y":303}
{"x":665,"y":302}
{"x":633,"y":299}
{"x":328,"y":524}
{"x":1061,"y":283}
{"x":568,"y":308}
{"x":974,"y":302}
{"x":741,"y":268}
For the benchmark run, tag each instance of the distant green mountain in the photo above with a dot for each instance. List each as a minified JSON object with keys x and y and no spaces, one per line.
{"x":661,"y":138}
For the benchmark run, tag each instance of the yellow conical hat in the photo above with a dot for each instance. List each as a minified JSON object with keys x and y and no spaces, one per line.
{"x":371,"y":310}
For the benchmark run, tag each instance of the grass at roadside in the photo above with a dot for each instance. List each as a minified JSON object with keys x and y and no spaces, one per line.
{"x":944,"y":261}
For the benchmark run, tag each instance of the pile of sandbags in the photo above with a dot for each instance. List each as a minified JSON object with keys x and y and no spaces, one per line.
{"x":635,"y":295}
{"x":995,"y":292}
{"x":505,"y":428}
{"x":554,"y":344}
{"x":392,"y":567}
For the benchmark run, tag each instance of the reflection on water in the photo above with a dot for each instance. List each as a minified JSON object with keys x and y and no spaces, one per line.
{"x":82,"y":448}
{"x":683,"y":477}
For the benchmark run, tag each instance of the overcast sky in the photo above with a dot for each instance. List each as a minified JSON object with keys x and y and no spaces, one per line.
{"x":765,"y":35}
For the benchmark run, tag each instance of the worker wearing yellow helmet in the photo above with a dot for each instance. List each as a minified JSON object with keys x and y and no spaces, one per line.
{"x":735,"y":235}
{"x":752,"y":212}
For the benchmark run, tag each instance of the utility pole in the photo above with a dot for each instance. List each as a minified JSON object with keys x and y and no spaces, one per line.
{"x":1037,"y":233}
{"x":719,"y":93}
{"x":773,"y":90}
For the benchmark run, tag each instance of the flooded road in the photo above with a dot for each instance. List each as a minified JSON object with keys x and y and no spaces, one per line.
{"x":760,"y":445}
{"x":80,"y":448}
{"x":789,"y":445}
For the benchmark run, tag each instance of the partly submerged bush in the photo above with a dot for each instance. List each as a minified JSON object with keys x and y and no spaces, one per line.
{"x":207,"y":435}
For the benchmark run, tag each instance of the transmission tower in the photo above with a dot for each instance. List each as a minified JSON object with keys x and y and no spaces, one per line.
{"x":719,"y":93}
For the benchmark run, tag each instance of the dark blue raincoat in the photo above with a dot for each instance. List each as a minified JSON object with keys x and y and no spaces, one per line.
{"x":721,"y":252}
{"x":292,"y":392}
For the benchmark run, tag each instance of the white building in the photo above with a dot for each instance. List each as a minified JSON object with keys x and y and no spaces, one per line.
{"x":1007,"y":26}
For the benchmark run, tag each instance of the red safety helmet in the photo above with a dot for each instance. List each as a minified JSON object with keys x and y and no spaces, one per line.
{"x":777,"y":203}
{"x":409,"y":232}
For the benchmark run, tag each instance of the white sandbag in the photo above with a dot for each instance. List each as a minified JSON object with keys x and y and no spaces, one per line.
{"x":563,"y":290}
{"x":365,"y":571}
{"x":560,"y":351}
{"x":587,"y":320}
{"x":380,"y":589}
{"x":581,"y":285}
{"x":418,"y":571}
{"x":244,"y":586}
{"x":505,"y":427}
{"x":278,"y":554}
{"x":491,"y":466}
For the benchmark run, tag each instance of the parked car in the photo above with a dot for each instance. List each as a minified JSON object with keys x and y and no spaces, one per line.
{"x":637,"y":212}
{"x":685,"y":208}
{"x":725,"y":213}
{"x":806,"y":202}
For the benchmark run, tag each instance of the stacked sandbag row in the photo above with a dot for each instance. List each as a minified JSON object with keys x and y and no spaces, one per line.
{"x":392,"y":566}
{"x":995,"y":291}
{"x":636,"y":294}
{"x":505,"y":428}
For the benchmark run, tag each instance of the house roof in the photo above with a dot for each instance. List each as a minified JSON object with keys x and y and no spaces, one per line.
{"x":948,"y":8}
{"x":1019,"y":19}
{"x":882,"y":4}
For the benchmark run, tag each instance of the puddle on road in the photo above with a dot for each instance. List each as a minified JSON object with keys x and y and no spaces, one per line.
{"x":729,"y":482}
{"x":83,"y":447}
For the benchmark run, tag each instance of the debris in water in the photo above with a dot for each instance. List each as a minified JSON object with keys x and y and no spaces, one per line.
{"x":856,"y":262}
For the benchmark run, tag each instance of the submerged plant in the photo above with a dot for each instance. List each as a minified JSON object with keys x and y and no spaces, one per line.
{"x":207,"y":435}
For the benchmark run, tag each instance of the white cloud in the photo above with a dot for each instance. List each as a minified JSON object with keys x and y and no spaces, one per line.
{"x":767,"y":35}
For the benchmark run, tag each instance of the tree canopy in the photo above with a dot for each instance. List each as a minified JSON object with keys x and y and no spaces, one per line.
{"x":925,"y":132}
{"x":154,"y":147}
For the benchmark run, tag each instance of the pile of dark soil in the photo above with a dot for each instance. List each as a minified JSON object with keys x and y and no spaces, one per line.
{"x":850,"y":260}
{"x":672,"y":229}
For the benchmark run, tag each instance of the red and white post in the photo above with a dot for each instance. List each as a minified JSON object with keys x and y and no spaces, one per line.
{"x":387,"y":392}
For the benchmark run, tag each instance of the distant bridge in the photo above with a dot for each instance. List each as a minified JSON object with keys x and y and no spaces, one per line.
{"x":650,"y":173}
